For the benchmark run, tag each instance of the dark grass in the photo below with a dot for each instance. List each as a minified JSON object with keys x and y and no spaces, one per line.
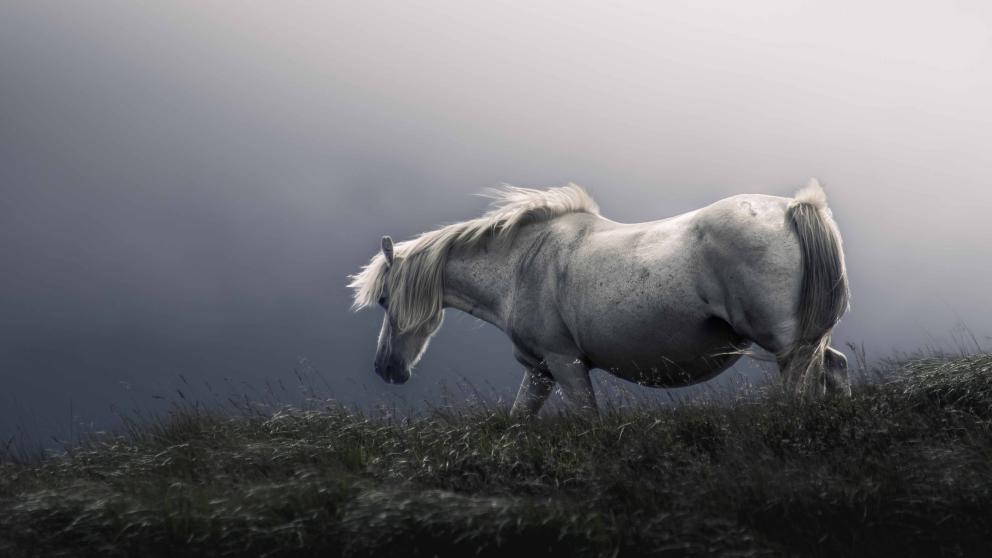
{"x":903,"y":468}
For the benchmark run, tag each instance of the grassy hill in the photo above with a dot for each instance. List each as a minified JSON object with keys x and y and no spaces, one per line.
{"x":904,"y":467}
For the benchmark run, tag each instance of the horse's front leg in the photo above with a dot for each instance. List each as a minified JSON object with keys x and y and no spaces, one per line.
{"x":534,"y":391}
{"x":572,"y":376}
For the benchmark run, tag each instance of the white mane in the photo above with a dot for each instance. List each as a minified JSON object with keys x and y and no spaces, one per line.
{"x":415,"y":280}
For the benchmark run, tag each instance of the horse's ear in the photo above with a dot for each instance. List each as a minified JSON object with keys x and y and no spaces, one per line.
{"x":387,"y":249}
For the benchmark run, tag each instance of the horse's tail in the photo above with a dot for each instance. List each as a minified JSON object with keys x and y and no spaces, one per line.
{"x":823,"y":296}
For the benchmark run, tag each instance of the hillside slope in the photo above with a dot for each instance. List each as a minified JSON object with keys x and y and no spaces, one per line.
{"x":904,"y":467}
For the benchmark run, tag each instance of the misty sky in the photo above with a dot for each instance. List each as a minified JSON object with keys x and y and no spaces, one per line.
{"x":184,"y":187}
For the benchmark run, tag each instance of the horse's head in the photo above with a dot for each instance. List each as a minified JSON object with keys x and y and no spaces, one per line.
{"x":399,"y":349}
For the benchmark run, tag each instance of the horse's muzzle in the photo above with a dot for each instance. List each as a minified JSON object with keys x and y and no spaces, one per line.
{"x":392,"y":374}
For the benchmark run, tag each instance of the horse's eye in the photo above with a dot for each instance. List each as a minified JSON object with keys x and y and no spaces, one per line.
{"x":382,"y":301}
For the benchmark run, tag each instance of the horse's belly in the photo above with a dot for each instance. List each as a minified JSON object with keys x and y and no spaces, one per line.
{"x":664,"y":372}
{"x":673,"y":357}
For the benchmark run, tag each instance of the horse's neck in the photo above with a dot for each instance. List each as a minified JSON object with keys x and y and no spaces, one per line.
{"x":477,"y":280}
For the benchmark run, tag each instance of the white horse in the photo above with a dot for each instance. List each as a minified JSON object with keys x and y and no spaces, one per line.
{"x":666,"y":303}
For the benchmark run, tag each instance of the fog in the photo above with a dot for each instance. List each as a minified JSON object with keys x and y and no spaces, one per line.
{"x":184,"y":187}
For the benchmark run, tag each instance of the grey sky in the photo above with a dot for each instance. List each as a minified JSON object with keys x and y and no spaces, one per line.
{"x":185,"y":186}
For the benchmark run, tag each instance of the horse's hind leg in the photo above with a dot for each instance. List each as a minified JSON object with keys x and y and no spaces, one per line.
{"x":835,"y":372}
{"x":534,"y":391}
{"x":831,"y":378}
